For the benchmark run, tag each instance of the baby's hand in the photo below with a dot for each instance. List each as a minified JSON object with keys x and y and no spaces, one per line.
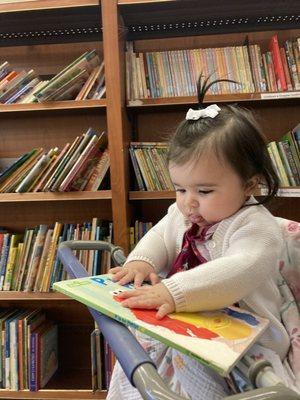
{"x":150,"y":297}
{"x":136,"y":272}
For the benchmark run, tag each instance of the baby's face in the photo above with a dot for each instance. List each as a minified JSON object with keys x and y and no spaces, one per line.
{"x":208,"y":190}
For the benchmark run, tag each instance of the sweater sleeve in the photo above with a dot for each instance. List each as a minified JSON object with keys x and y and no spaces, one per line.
{"x":157,"y":247}
{"x":250,"y":256}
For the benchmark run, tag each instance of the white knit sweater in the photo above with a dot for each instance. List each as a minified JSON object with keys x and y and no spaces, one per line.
{"x":245,"y":250}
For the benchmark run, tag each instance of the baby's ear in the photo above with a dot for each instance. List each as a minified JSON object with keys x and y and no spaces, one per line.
{"x":251,"y":185}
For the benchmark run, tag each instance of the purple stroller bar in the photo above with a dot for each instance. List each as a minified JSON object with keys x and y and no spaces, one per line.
{"x":137,"y":365}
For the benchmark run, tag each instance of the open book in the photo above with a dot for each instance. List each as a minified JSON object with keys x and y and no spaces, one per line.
{"x":215,"y":338}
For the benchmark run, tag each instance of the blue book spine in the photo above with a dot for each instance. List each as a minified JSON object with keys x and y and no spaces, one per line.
{"x":151,"y":74}
{"x":297,"y":138}
{"x":33,"y":363}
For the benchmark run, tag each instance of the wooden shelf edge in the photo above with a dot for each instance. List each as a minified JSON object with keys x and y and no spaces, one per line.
{"x":128,"y":2}
{"x":33,"y":5}
{"x":52,"y":394}
{"x":168,"y":194}
{"x":53,"y":105}
{"x":55,"y":196}
{"x":38,"y":296}
{"x":221,"y":98}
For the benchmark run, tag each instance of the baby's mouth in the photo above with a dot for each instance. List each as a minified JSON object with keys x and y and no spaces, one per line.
{"x":196,"y":219}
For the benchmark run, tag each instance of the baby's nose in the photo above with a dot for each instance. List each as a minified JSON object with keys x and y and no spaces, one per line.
{"x":192,"y":202}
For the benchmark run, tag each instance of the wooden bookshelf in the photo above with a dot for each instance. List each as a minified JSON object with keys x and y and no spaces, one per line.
{"x":56,"y":196}
{"x":33,"y":296}
{"x":60,"y":32}
{"x":225,"y":98}
{"x":54,"y":105}
{"x":158,"y":26}
{"x":188,"y":25}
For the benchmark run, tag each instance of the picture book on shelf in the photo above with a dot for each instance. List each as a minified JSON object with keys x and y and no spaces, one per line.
{"x":215,"y":338}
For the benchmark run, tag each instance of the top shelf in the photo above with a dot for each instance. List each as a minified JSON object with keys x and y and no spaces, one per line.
{"x":29,"y":5}
{"x":64,"y":21}
{"x":49,"y":21}
{"x":149,"y":19}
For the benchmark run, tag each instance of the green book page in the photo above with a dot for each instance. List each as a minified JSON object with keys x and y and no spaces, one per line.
{"x":216,"y":338}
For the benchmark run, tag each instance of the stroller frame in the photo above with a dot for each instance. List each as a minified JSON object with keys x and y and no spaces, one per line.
{"x":137,"y":365}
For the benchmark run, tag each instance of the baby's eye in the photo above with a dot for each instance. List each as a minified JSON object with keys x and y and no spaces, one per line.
{"x":205,"y":191}
{"x":180,"y":190}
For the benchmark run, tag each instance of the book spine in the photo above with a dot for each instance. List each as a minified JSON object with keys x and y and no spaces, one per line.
{"x":20,"y":354}
{"x":33,"y":363}
{"x":283,"y":176}
{"x":291,"y":160}
{"x":32,"y":174}
{"x":4,"y":256}
{"x":10,"y":265}
{"x":14,"y":384}
{"x":285,"y":161}
{"x":292,"y":64}
{"x":278,"y":67}
{"x":286,"y":69}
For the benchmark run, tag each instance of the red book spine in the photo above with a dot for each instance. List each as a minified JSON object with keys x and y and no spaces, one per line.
{"x":286,"y":69}
{"x":278,"y":67}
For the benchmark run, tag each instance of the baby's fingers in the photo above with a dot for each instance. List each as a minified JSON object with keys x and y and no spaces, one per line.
{"x":140,"y":301}
{"x":154,"y":278}
{"x":163,"y":310}
{"x":127,"y":278}
{"x":123,"y":276}
{"x":138,"y":279}
{"x":114,"y":270}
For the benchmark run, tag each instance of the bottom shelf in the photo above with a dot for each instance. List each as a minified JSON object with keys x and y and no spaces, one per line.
{"x":65,"y":384}
{"x":52,"y":395}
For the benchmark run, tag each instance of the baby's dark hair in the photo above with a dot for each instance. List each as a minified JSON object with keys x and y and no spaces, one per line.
{"x":234,"y":135}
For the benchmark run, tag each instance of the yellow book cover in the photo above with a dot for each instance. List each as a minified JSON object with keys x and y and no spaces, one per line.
{"x":15,"y":239}
{"x":45,"y":286}
{"x":17,"y":266}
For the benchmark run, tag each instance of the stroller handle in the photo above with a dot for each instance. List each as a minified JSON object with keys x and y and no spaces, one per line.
{"x":137,"y":365}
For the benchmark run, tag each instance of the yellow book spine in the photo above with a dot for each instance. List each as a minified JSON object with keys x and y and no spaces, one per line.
{"x":51,"y":257}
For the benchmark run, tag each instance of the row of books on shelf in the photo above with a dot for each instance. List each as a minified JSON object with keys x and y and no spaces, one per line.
{"x":80,"y":80}
{"x":29,"y":349}
{"x":29,"y":261}
{"x":138,"y":231}
{"x":285,"y":155}
{"x":102,"y":361}
{"x":175,"y":73}
{"x":149,"y":161}
{"x":79,"y":166}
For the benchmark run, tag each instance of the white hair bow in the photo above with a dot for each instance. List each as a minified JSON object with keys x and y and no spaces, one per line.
{"x":211,"y":111}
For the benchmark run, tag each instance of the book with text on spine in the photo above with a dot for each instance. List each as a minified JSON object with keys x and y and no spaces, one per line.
{"x":217,"y":339}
